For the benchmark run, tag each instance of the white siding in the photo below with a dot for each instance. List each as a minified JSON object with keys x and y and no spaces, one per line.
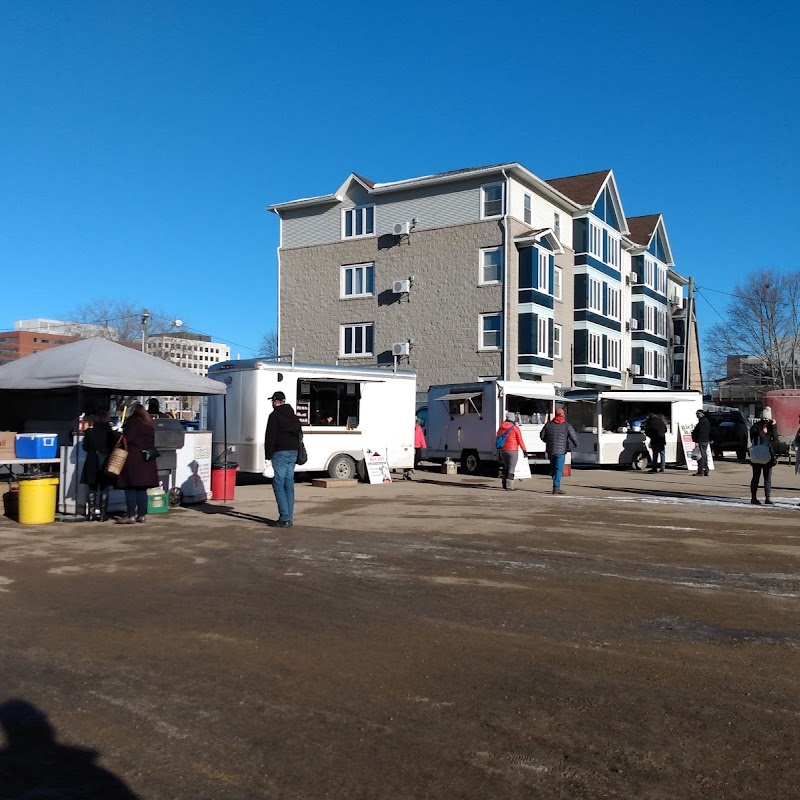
{"x":542,"y":212}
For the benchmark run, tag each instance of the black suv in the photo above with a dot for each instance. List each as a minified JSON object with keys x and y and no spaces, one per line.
{"x":730,"y":430}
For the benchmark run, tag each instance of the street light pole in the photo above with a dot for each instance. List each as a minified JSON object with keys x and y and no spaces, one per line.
{"x":145,"y":320}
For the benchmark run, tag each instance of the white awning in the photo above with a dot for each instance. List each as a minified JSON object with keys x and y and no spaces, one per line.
{"x":460,"y":396}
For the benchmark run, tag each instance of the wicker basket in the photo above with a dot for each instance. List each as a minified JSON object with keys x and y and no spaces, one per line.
{"x":116,"y":461}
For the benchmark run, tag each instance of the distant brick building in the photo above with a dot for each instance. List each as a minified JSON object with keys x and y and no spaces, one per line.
{"x":18,"y":344}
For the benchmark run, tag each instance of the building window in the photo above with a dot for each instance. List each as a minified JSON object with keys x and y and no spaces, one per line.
{"x":358,"y":221}
{"x":661,"y":280}
{"x":614,"y":302}
{"x":526,"y":211}
{"x":357,"y":340}
{"x":556,"y":341}
{"x":491,"y":200}
{"x":595,"y":351}
{"x":613,"y":247}
{"x":491,"y":265}
{"x":595,"y":241}
{"x":614,"y":353}
{"x":544,"y":271}
{"x":491,"y":335}
{"x":649,"y":273}
{"x":557,"y":283}
{"x":358,"y":280}
{"x":661,"y":366}
{"x":595,"y":298}
{"x":542,"y":339}
{"x":557,"y":225}
{"x":650,"y":318}
{"x":649,"y":364}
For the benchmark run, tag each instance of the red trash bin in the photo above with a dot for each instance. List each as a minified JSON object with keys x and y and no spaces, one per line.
{"x":223,"y":480}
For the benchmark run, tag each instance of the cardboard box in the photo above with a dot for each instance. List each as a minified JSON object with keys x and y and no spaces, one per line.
{"x":8,"y":441}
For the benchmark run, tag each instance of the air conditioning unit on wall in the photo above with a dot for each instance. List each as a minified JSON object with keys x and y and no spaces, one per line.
{"x":401,"y":287}
{"x":633,"y":324}
{"x":401,"y":228}
{"x":635,"y":369}
{"x":401,"y":349}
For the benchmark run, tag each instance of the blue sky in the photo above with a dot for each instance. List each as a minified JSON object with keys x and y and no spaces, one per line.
{"x":140,"y":141}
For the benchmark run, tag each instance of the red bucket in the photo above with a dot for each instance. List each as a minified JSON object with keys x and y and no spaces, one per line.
{"x":223,"y":481}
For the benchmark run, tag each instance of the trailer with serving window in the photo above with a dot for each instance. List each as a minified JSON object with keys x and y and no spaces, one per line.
{"x":610,"y":424}
{"x":344,"y":411}
{"x":463,"y":419}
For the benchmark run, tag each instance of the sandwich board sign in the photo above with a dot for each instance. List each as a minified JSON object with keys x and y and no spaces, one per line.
{"x":377,"y":467}
{"x":689,"y":444}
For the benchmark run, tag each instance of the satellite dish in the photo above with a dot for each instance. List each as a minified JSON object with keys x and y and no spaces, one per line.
{"x":178,"y":323}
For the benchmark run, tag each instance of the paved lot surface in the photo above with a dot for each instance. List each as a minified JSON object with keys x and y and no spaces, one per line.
{"x":638,"y":638}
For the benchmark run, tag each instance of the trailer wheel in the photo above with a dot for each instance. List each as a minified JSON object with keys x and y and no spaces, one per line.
{"x":640,"y":460}
{"x":361,"y":470}
{"x":470,"y":463}
{"x":342,"y":466}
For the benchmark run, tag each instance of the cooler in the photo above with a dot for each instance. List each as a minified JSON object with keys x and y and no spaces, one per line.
{"x":36,"y":445}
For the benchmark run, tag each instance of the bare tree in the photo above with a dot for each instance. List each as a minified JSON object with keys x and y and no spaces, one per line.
{"x":120,"y":321}
{"x":764,"y":324}
{"x":269,"y":345}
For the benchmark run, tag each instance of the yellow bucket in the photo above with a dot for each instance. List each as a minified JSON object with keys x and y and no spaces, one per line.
{"x":37,"y":500}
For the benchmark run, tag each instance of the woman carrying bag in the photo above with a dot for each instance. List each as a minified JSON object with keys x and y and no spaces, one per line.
{"x":140,"y":472}
{"x":98,"y":442}
{"x":762,"y":455}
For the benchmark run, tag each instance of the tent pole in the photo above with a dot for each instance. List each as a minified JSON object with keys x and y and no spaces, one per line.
{"x":225,"y":445}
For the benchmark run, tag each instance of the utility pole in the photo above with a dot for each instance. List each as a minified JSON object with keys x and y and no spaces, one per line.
{"x":145,"y":320}
{"x":689,"y":330}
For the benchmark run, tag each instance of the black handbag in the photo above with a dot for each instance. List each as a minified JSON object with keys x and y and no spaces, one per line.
{"x":302,"y":455}
{"x":150,"y":453}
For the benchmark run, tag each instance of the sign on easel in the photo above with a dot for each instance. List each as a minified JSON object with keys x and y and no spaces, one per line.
{"x":377,"y":467}
{"x":689,"y":444}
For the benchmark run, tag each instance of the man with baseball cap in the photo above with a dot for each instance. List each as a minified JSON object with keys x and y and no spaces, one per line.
{"x":281,"y":443}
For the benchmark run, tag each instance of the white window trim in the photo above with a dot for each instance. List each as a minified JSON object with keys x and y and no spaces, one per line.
{"x":527,"y":208}
{"x":595,"y":293}
{"x":595,"y":240}
{"x":354,"y":325}
{"x":558,"y":284}
{"x":615,"y":293}
{"x":481,"y":345}
{"x":543,"y":271}
{"x":649,"y":363}
{"x":345,"y":267}
{"x":614,"y":246}
{"x":557,"y":333}
{"x":614,"y":353}
{"x":542,"y":338}
{"x":483,"y":251}
{"x":483,"y":199}
{"x":362,"y":210}
{"x":594,"y":341}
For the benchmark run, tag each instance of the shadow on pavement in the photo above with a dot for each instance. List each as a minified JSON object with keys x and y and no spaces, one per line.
{"x":34,"y":765}
{"x":225,"y":511}
{"x":663,"y":493}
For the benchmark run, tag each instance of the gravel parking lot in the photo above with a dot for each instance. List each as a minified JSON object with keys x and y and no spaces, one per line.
{"x":637,"y":638}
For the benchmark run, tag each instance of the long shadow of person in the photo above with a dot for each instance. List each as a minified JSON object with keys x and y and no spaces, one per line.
{"x":34,"y":765}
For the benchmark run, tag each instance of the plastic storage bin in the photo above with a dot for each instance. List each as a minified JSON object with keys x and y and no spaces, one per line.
{"x":36,"y":445}
{"x":37,"y":499}
{"x":157,"y":503}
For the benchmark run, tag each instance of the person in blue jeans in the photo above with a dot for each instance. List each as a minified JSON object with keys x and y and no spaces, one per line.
{"x":558,"y":436}
{"x":281,"y":444}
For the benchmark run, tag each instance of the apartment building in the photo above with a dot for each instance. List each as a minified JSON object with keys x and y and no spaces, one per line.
{"x":18,"y":343}
{"x":480,"y":273}
{"x":192,"y":351}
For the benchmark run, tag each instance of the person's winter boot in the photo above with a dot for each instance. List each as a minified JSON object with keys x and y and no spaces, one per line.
{"x":505,"y":482}
{"x":767,"y":501}
{"x":91,"y":502}
{"x":103,"y":505}
{"x":754,"y":501}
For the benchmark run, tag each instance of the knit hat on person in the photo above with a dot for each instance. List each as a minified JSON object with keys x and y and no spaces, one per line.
{"x":511,"y":417}
{"x":766,"y":413}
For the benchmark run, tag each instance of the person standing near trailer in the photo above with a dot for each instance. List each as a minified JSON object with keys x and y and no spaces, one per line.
{"x":656,"y":430}
{"x":558,"y":436}
{"x":281,"y":445}
{"x":763,"y":435}
{"x":509,"y":443}
{"x":701,"y":436}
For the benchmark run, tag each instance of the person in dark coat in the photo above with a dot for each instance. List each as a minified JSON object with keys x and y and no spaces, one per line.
{"x":701,"y":436}
{"x":98,"y":442}
{"x":281,"y":444}
{"x":137,"y":475}
{"x":763,"y":432}
{"x":656,"y":430}
{"x":558,"y":437}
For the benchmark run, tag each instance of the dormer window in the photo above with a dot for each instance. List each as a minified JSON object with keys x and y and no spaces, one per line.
{"x":358,"y":221}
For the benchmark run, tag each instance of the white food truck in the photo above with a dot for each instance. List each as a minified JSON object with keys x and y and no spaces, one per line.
{"x":345,"y":412}
{"x":610,"y":424}
{"x":463,"y":419}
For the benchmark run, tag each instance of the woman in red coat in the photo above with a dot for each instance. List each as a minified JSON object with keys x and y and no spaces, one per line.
{"x":137,"y":475}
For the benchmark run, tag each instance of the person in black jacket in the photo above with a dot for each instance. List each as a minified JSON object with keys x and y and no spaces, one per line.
{"x":701,"y":435}
{"x":281,"y":443}
{"x":656,"y":430}
{"x":98,"y":442}
{"x":763,"y":432}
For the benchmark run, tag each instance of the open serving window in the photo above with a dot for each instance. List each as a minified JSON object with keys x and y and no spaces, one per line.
{"x":328,"y":402}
